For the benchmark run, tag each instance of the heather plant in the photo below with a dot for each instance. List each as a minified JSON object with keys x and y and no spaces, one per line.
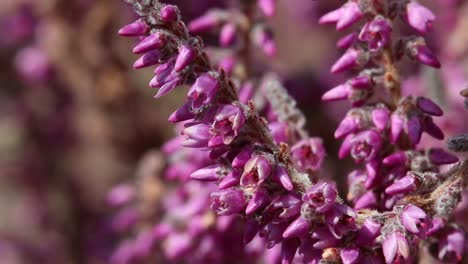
{"x":264,"y":167}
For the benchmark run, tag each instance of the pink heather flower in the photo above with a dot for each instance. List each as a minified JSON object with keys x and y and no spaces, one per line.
{"x":394,"y":246}
{"x":228,"y":202}
{"x":452,"y":245}
{"x":121,"y":195}
{"x":369,"y":231}
{"x":184,"y":58}
{"x":381,"y":117}
{"x":321,"y":196}
{"x":203,"y":91}
{"x":33,"y":64}
{"x":197,"y":135}
{"x":415,"y":220}
{"x":357,"y":90}
{"x":428,"y":106}
{"x":439,"y":156}
{"x":350,"y":59}
{"x":407,"y":184}
{"x":135,"y":29}
{"x":208,"y":21}
{"x":419,"y":17}
{"x":308,"y":154}
{"x":256,"y":170}
{"x":169,"y":13}
{"x":281,"y":176}
{"x":349,"y":255}
{"x":324,"y":238}
{"x":228,"y":35}
{"x":376,"y":33}
{"x":363,"y":146}
{"x":340,"y":220}
{"x":290,"y":204}
{"x":229,"y":120}
{"x":267,"y":7}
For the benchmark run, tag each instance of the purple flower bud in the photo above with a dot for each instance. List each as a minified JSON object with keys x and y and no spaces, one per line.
{"x":203,"y":91}
{"x":308,"y":154}
{"x":324,"y":238}
{"x":363,"y":146}
{"x":33,"y":65}
{"x":438,"y":156}
{"x":395,"y":159}
{"x":135,"y":29}
{"x":321,"y":196}
{"x":344,"y":17}
{"x":347,"y":41}
{"x":380,"y":117}
{"x":163,"y":74}
{"x":419,"y":17}
{"x":415,"y":220}
{"x":228,"y":202}
{"x":376,"y":33}
{"x":298,"y":228}
{"x":397,"y":123}
{"x":349,"y":255}
{"x":281,"y":176}
{"x":407,"y":184}
{"x":395,"y":246}
{"x":264,"y":39}
{"x":256,"y":170}
{"x":369,"y":231}
{"x":414,"y":128}
{"x":169,"y":13}
{"x":148,"y":59}
{"x":230,"y":180}
{"x":349,"y":124}
{"x":177,"y":245}
{"x":351,"y":13}
{"x":228,"y":35}
{"x":452,"y":245}
{"x":241,"y":159}
{"x":367,"y":200}
{"x":183,"y":113}
{"x":186,"y":56}
{"x":153,"y":41}
{"x":372,"y":170}
{"x":258,"y":201}
{"x":250,"y":230}
{"x":350,"y":59}
{"x":279,"y":131}
{"x":428,"y":106}
{"x":288,"y":250}
{"x":339,"y":92}
{"x":419,"y":51}
{"x":229,"y":120}
{"x":432,"y":129}
{"x":267,"y":7}
{"x":168,"y":86}
{"x":210,"y":173}
{"x":206,"y":22}
{"x":198,"y":136}
{"x":120,"y":195}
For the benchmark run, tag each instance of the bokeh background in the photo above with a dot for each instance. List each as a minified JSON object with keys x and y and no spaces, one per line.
{"x":76,"y":120}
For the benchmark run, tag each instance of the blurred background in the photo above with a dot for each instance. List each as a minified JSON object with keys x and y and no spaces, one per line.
{"x":76,"y":120}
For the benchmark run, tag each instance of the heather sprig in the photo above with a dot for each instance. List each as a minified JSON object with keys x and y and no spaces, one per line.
{"x":273,"y":186}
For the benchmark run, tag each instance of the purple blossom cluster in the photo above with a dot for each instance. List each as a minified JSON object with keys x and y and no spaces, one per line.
{"x":245,"y":165}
